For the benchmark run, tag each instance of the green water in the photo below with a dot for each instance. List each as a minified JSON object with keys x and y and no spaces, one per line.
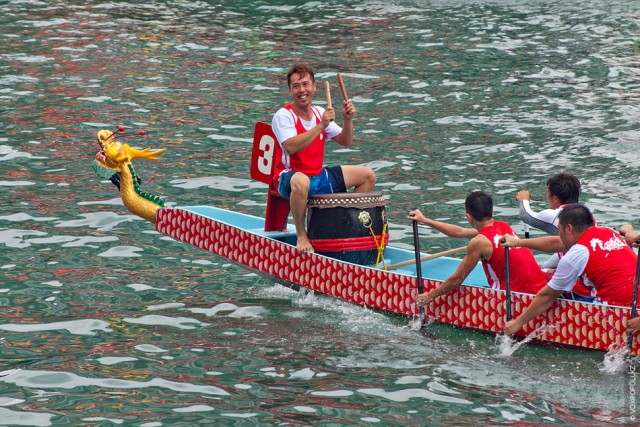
{"x":105,"y":322}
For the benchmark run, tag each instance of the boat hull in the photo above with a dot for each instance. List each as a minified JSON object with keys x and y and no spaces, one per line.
{"x":238,"y":239}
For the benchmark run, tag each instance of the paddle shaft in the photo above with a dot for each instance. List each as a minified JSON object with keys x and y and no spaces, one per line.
{"x":507,"y":280}
{"x":634,"y":301}
{"x":416,"y":247}
{"x":425,"y":258}
{"x":342,"y":88}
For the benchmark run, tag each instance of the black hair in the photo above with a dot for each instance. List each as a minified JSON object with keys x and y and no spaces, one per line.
{"x":565,"y":187}
{"x":479,"y":205}
{"x":302,"y":69}
{"x":578,"y":215}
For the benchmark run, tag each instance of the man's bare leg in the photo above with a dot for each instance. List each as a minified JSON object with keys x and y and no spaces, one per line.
{"x":362,"y":178}
{"x":298,"y":203}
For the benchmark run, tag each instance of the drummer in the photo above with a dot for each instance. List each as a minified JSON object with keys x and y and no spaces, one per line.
{"x":302,"y":129}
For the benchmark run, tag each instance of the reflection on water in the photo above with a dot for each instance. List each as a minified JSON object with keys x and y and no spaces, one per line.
{"x":105,"y":322}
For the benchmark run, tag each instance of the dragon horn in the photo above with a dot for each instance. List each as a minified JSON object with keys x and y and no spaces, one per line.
{"x":145,"y":154}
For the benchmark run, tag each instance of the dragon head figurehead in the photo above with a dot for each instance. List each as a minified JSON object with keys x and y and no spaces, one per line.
{"x":117,"y":154}
{"x":113,"y":162}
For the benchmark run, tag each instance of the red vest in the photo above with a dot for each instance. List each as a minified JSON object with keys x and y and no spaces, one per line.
{"x":579,"y":288}
{"x":524,"y":272}
{"x":611,"y":267}
{"x":309,"y":160}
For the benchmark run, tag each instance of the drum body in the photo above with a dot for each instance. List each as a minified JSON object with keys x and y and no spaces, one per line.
{"x":335,"y":225}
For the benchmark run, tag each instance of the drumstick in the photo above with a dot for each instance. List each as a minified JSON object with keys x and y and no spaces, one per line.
{"x":328,"y":90}
{"x":342,"y":88}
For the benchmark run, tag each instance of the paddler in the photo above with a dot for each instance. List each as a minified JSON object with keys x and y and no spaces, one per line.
{"x":562,"y":189}
{"x":483,"y":246}
{"x":631,"y":236}
{"x":599,"y":254}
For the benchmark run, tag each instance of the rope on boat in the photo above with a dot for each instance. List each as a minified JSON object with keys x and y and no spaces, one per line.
{"x":365,"y":218}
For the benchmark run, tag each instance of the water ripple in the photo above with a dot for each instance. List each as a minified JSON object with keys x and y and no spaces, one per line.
{"x":75,"y":327}
{"x":176,"y":322}
{"x":65,"y":380}
{"x":25,"y":418}
{"x":411,"y":393}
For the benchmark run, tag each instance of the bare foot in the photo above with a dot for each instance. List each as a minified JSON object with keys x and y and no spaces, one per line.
{"x":304,"y":245}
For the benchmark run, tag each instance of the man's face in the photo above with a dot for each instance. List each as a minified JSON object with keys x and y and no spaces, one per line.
{"x":302,"y":90}
{"x":554,"y":202}
{"x":567,"y":235}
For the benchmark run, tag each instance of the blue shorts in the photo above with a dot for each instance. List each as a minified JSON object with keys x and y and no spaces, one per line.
{"x":577,"y":297}
{"x":330,"y":180}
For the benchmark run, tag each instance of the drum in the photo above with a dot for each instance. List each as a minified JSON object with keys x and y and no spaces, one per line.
{"x":348,"y":226}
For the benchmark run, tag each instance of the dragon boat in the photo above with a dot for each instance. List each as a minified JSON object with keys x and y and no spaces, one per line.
{"x":389,"y":283}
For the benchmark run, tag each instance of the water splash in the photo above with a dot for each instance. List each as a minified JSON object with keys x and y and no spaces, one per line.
{"x":616,"y":360}
{"x":508,"y":345}
{"x":416,"y":324}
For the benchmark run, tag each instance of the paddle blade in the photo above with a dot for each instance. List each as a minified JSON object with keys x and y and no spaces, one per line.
{"x":424,"y":330}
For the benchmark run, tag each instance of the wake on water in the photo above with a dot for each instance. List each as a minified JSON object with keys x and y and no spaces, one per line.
{"x":616,"y":360}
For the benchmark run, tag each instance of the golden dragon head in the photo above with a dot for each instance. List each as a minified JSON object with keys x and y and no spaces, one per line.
{"x":113,"y":162}
{"x":114,"y":154}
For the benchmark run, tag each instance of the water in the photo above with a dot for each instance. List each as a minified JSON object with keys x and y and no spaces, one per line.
{"x":105,"y":322}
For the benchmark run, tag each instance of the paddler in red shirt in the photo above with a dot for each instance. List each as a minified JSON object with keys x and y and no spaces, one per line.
{"x":599,"y":254}
{"x":631,"y":236}
{"x":633,"y":239}
{"x":525,"y":273}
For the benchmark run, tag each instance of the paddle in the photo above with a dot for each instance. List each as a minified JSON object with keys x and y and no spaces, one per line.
{"x":507,"y":280}
{"x":416,"y":247}
{"x":425,"y":258}
{"x":634,"y":300}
